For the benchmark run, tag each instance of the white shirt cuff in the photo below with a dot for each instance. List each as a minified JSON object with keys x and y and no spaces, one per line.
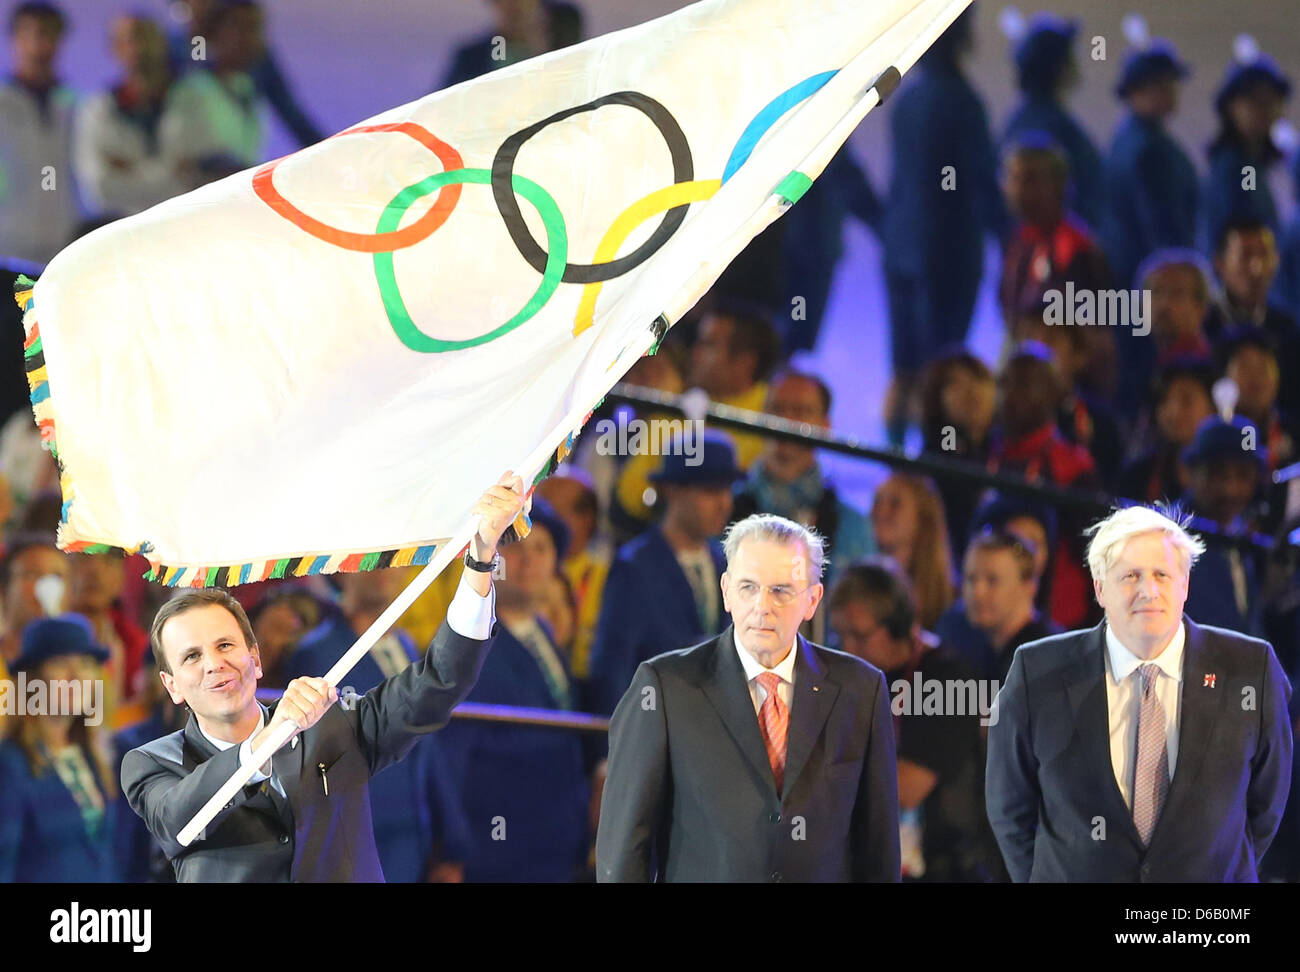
{"x":471,"y":614}
{"x":245,"y":754}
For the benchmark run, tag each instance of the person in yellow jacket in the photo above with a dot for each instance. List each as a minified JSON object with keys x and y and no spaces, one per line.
{"x":573,"y":494}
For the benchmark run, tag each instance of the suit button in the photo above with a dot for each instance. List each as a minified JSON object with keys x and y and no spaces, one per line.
{"x":776,"y":877}
{"x":775,"y":818}
{"x":284,"y":838}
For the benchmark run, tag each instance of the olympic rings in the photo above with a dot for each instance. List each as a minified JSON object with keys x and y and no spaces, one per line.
{"x":683,"y":171}
{"x":681,"y":194}
{"x":557,"y":240}
{"x":552,"y":263}
{"x":422,"y":228}
{"x":769,"y":116}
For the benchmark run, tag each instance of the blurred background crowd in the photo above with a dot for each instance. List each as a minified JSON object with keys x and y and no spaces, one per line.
{"x":931,"y":577}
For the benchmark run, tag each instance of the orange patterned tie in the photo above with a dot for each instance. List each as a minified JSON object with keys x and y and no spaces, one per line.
{"x":774,"y":719}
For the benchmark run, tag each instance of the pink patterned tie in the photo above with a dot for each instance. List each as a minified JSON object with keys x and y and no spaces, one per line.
{"x":1151,"y":769}
{"x":774,"y":719}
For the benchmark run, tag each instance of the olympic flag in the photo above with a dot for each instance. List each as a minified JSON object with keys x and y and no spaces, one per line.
{"x":319,"y":364}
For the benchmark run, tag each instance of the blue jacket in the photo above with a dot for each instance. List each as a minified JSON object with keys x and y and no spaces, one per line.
{"x":1087,"y":180}
{"x":414,"y":802}
{"x":1211,"y":598}
{"x":42,"y":834}
{"x":1286,"y":288}
{"x":1151,"y":195}
{"x":647,"y":608}
{"x":1226,"y":200}
{"x":939,"y":120}
{"x":525,"y":788}
{"x":140,"y":858}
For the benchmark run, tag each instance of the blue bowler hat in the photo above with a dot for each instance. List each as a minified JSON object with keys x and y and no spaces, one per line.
{"x":1156,"y":61}
{"x":46,"y":638}
{"x":1044,"y":51}
{"x":1241,"y":76}
{"x":713,"y":462}
{"x":1217,"y":439}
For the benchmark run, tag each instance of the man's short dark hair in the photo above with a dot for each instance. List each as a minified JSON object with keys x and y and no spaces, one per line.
{"x":880,"y":585}
{"x":18,"y":544}
{"x":1039,"y":146}
{"x":187,"y":602}
{"x":751,"y":330}
{"x":1242,"y":225}
{"x":1234,"y":340}
{"x":1177,"y":258}
{"x":823,"y":390}
{"x":1184,"y":367}
{"x":40,"y":10}
{"x":1022,"y":549}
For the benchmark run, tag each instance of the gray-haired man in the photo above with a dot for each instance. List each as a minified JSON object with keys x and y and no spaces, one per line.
{"x":757,"y":755}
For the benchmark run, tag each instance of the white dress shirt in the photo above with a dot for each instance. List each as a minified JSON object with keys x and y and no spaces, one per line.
{"x":245,"y":751}
{"x":785,"y":670}
{"x":1124,"y":702}
{"x":470,"y":615}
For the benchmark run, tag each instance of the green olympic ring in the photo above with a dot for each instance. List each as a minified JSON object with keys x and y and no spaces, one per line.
{"x":390,"y":219}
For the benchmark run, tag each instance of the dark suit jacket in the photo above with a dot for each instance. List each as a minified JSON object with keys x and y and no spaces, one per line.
{"x":689,"y":794}
{"x":311,"y":836}
{"x":1049,"y":783}
{"x":416,"y":811}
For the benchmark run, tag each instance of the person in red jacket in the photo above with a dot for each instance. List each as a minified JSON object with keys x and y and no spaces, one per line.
{"x":1029,"y":442}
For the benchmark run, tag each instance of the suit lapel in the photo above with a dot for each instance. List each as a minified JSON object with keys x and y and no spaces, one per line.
{"x":197,"y":748}
{"x":728,"y":691}
{"x":1086,"y":691}
{"x":286,"y":765}
{"x":810,"y":706}
{"x":1198,"y":713}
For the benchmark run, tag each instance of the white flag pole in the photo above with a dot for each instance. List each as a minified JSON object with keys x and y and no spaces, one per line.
{"x":449,"y":550}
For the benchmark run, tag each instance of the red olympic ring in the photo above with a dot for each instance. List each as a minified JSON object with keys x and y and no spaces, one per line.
{"x":424,"y":227}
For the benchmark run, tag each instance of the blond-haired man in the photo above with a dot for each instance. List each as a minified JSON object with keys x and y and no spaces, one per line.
{"x":1148,"y":748}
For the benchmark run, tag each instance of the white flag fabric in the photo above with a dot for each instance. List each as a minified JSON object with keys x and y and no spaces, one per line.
{"x":319,"y":364}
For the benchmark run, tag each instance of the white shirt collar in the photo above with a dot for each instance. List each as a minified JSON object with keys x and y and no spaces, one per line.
{"x":1123,"y":662}
{"x":221,"y":743}
{"x":785,"y":669}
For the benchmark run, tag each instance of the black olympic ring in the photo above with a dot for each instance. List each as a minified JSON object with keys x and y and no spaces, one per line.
{"x":503,"y":171}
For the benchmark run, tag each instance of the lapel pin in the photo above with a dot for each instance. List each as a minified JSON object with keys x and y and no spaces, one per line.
{"x":817,"y":688}
{"x":1209,"y":681}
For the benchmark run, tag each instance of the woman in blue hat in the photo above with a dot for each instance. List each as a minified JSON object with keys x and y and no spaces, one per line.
{"x":57,"y":789}
{"x":1151,"y":184}
{"x":1249,"y":103}
{"x":1045,"y":72}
